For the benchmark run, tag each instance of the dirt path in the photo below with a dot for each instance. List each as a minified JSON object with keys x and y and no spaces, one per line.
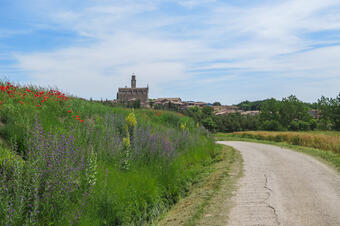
{"x":283,"y":187}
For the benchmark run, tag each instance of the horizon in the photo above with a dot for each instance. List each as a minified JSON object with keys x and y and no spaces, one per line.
{"x":200,"y":50}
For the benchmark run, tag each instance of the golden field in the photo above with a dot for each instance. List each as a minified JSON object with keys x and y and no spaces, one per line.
{"x":324,"y":140}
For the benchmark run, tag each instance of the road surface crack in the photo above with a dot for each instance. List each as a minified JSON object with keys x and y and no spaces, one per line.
{"x":265,"y":201}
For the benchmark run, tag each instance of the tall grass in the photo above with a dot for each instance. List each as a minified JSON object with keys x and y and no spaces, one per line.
{"x":320,"y":140}
{"x":65,"y":160}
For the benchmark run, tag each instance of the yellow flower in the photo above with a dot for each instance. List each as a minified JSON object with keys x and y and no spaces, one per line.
{"x":183,"y":125}
{"x":131,"y":120}
{"x":126,"y":142}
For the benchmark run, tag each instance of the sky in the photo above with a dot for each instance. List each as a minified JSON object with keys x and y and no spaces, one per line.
{"x":204,"y":50}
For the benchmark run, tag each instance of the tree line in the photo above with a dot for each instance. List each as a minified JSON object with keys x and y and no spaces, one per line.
{"x":288,"y":114}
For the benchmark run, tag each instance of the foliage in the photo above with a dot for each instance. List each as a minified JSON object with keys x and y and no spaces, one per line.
{"x":256,"y":105}
{"x":330,"y":111}
{"x":250,"y":105}
{"x":70,"y":161}
{"x":288,"y":114}
{"x":223,"y":123}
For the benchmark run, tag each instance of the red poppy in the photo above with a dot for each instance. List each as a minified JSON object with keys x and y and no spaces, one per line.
{"x":81,"y":120}
{"x":38,"y":105}
{"x":69,"y":111}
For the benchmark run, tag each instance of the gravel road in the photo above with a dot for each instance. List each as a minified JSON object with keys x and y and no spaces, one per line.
{"x":283,"y":187}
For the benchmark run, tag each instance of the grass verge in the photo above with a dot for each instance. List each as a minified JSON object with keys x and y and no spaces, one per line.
{"x":205,"y":199}
{"x":69,"y":161}
{"x":330,"y":158}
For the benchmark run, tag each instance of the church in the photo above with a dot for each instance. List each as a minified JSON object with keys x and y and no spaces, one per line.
{"x":126,"y":95}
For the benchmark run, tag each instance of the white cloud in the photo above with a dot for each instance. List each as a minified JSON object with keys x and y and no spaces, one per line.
{"x":161,"y":48}
{"x":108,"y":64}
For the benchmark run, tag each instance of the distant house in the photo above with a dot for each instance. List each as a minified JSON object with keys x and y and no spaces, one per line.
{"x":167,"y":99}
{"x":314,"y":113}
{"x":225,"y":109}
{"x":251,"y":113}
{"x":168,"y":103}
{"x":194,"y":104}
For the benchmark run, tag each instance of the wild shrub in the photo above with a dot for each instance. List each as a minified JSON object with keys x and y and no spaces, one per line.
{"x":41,"y":189}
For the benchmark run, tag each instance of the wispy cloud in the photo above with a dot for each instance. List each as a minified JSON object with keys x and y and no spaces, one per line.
{"x":173,"y":43}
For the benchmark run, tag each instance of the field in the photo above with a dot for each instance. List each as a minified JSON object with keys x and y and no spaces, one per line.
{"x":324,"y":145}
{"x":325,"y":140}
{"x":69,"y":161}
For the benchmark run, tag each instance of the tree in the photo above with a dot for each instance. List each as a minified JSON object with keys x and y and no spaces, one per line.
{"x":270,"y":110}
{"x":250,"y":105}
{"x":216,"y":104}
{"x":330,"y":111}
{"x":207,"y":110}
{"x":292,"y":109}
{"x":209,"y":123}
{"x":289,"y":113}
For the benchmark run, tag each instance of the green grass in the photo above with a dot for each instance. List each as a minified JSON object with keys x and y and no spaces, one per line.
{"x":102,"y":171}
{"x":216,"y":182}
{"x":326,"y":156}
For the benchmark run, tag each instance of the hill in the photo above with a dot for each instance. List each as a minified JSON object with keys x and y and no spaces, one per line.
{"x":66,"y":160}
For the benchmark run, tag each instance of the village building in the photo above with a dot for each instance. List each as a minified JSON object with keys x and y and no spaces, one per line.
{"x":189,"y":104}
{"x":127,"y":95}
{"x":251,"y":113}
{"x":224,"y":109}
{"x":314,"y":113}
{"x":164,"y":101}
{"x":168,"y":103}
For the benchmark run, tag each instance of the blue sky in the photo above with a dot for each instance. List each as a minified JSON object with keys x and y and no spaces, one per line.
{"x":207,"y":50}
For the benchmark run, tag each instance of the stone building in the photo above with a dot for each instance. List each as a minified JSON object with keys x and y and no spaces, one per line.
{"x":126,"y":95}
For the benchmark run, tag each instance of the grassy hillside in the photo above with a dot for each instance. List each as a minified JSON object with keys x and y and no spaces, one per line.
{"x":65,"y":160}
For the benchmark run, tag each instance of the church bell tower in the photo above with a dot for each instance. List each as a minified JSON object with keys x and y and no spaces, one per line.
{"x":133,"y":81}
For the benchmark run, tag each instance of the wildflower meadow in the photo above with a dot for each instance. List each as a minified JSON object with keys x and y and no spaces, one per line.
{"x":69,"y":161}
